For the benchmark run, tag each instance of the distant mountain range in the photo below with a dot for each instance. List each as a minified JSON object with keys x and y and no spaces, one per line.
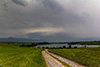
{"x":12,"y":39}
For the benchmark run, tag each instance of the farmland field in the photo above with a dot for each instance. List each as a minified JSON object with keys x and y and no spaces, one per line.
{"x":89,"y":57}
{"x":14,"y":56}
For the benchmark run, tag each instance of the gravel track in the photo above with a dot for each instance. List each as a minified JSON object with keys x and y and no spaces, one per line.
{"x":67,"y":61}
{"x":50,"y":61}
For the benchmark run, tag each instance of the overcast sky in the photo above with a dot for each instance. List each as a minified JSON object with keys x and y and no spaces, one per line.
{"x":50,"y":20}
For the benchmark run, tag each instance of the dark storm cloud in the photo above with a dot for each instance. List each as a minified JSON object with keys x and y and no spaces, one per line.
{"x":44,"y":14}
{"x":77,"y":19}
{"x":50,"y":14}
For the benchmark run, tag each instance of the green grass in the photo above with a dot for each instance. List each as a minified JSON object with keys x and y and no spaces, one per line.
{"x":14,"y":56}
{"x":89,"y":57}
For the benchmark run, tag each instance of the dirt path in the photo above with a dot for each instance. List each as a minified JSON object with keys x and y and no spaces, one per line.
{"x":50,"y":61}
{"x":67,"y":61}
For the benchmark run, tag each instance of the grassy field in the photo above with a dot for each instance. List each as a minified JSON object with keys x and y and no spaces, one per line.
{"x":89,"y":57}
{"x":14,"y":56}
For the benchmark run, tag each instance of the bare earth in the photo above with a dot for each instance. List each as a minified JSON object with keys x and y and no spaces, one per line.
{"x":50,"y":61}
{"x":67,"y":61}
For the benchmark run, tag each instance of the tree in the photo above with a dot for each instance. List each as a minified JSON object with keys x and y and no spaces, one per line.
{"x":75,"y":47}
{"x":70,"y":46}
{"x":43,"y":47}
{"x":47,"y":47}
{"x":85,"y":45}
{"x":64,"y":46}
{"x":60,"y":47}
{"x":22,"y":45}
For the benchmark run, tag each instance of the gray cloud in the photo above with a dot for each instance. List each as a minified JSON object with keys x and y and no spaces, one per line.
{"x":76,"y":19}
{"x":3,"y":6}
{"x":53,"y":5}
{"x":20,"y":2}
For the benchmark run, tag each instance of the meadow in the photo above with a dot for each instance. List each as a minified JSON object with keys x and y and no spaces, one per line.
{"x":13,"y":56}
{"x":89,"y":57}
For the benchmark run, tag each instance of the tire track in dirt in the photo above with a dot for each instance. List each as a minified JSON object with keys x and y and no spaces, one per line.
{"x":50,"y":61}
{"x":65,"y":60}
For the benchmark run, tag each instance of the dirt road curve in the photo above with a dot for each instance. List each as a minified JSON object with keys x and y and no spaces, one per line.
{"x":50,"y":61}
{"x":67,"y":61}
